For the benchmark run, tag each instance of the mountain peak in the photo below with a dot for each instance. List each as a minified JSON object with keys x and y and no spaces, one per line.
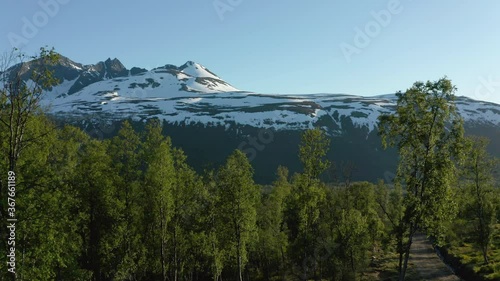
{"x":114,"y":68}
{"x":189,"y":64}
{"x":197,"y":70}
{"x":114,"y":64}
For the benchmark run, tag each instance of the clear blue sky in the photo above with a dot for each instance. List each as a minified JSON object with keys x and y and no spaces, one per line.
{"x":280,"y":46}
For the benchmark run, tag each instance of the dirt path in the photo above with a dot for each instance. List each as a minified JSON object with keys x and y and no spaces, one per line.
{"x":426,"y":262}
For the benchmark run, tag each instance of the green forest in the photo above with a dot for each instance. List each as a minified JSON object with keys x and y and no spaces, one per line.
{"x":131,"y":208}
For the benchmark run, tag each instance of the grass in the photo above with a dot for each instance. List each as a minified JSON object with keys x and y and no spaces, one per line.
{"x":385,"y":267}
{"x":472,"y":257}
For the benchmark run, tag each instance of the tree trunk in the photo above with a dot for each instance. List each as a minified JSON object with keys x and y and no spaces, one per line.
{"x":405,"y":265}
{"x":239,"y":260}
{"x":485,"y":255}
{"x":352,"y":262}
{"x":407,"y":254}
{"x":215,"y":270}
{"x":305,"y":251}
{"x":175,"y":254}
{"x":282,"y":267}
{"x":162,"y":248}
{"x":400,"y":266}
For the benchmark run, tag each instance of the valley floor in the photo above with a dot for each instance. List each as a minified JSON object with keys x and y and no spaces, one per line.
{"x":426,"y":263}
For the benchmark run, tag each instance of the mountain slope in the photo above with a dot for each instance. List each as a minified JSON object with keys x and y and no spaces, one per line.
{"x":193,"y":94}
{"x":194,"y":102}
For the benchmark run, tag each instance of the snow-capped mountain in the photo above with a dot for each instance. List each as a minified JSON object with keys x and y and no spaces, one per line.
{"x":197,"y":100}
{"x":193,"y":94}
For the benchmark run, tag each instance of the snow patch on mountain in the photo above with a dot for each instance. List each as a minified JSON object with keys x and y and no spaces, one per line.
{"x":193,"y":94}
{"x":197,"y":70}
